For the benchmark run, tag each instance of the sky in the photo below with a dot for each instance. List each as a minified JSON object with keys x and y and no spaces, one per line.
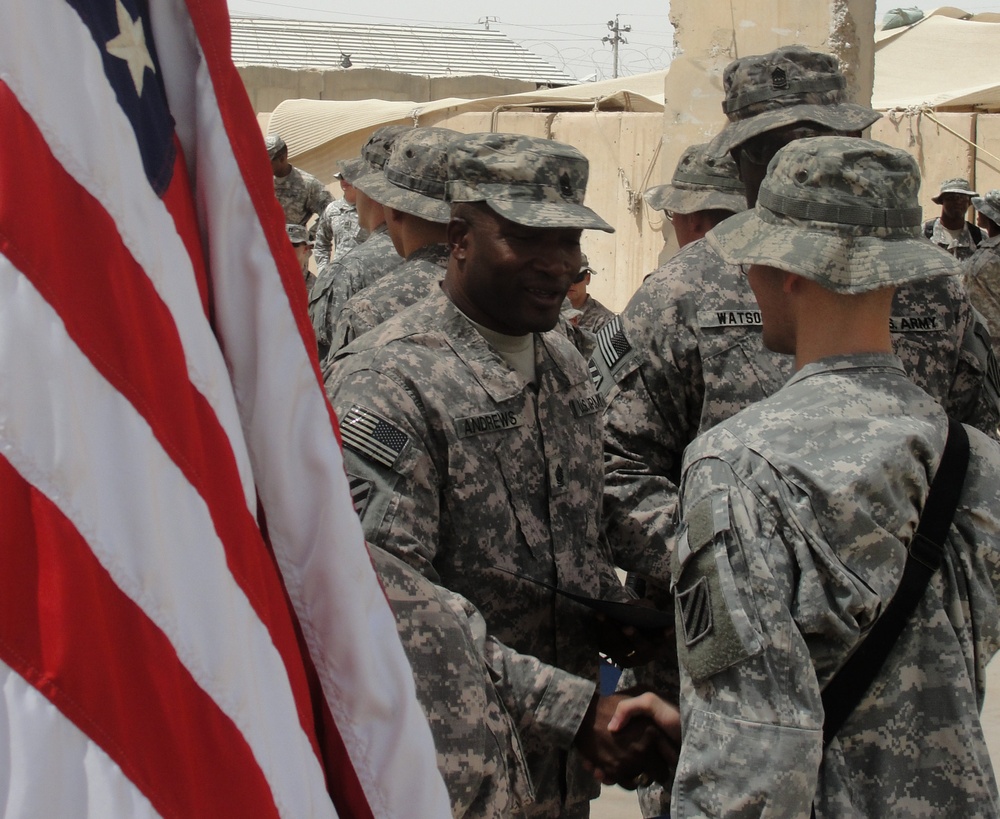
{"x":567,"y":33}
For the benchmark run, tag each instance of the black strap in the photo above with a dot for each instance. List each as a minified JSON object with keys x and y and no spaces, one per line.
{"x":925,"y":554}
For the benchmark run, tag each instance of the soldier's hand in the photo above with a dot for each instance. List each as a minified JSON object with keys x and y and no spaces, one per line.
{"x":627,"y":756}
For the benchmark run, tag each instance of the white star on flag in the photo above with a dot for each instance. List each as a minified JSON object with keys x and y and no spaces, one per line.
{"x":130,"y":45}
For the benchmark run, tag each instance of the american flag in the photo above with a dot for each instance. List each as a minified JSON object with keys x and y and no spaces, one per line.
{"x":189,"y":621}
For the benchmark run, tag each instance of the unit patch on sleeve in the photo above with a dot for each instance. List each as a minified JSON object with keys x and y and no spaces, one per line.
{"x":361,"y":491}
{"x":372,"y":436}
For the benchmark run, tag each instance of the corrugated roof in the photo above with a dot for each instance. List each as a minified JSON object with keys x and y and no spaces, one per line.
{"x":421,"y":50}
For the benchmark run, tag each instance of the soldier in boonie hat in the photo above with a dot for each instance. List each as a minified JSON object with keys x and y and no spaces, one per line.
{"x":789,"y":85}
{"x":414,"y":177}
{"x":275,"y":145}
{"x":379,"y":145}
{"x":954,"y":185}
{"x":840,"y":211}
{"x":701,"y":181}
{"x":530,"y":181}
{"x":988,"y":205}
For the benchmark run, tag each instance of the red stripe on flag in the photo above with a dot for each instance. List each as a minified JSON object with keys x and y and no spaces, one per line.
{"x":117,"y":319}
{"x":70,"y":631}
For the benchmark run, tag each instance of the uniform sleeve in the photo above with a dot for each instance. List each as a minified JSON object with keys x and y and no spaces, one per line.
{"x":974,"y":397}
{"x":319,"y":198}
{"x":751,"y":708}
{"x":396,"y":481}
{"x":652,"y":389}
{"x":324,"y":237}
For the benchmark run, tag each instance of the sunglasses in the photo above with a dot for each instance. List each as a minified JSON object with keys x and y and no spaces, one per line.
{"x":579,"y":277}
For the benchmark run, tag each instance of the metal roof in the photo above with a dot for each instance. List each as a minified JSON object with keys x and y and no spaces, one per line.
{"x":420,"y":50}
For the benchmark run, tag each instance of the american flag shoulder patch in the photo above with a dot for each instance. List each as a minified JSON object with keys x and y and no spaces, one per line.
{"x":372,"y":436}
{"x":612,"y":343}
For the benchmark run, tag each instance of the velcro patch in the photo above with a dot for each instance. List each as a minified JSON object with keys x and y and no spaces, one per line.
{"x":372,"y":436}
{"x":587,"y":406}
{"x":929,"y":323}
{"x":361,"y":492}
{"x":741,"y":317}
{"x":488,"y":422}
{"x":612,"y":343}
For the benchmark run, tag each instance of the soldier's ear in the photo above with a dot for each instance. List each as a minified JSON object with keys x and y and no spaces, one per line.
{"x":458,"y":233}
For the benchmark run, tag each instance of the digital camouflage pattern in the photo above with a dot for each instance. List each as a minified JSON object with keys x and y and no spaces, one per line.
{"x":343,"y":278}
{"x":301,"y":195}
{"x":956,"y":184}
{"x":791,"y":84}
{"x":989,"y":205}
{"x":797,"y":512}
{"x":594,"y":315}
{"x":274,"y":145}
{"x":840,"y":211}
{"x":529,"y":180}
{"x":961,"y":246}
{"x":478,"y":750}
{"x":414,"y":279}
{"x":298,"y":235}
{"x":338,"y":231}
{"x":982,"y":280}
{"x":472,"y":474}
{"x":378,"y":148}
{"x":701,"y":181}
{"x":414,"y":177}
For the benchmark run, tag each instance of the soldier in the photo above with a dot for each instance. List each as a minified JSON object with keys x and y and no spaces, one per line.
{"x":982,"y":270}
{"x":474,"y":431}
{"x":704,"y":190}
{"x":337,"y":229}
{"x":590,"y":314}
{"x":950,"y":230}
{"x":798,"y":513}
{"x":302,"y":245}
{"x":686,"y":352}
{"x":301,"y":194}
{"x":370,"y":260}
{"x":411,"y":191}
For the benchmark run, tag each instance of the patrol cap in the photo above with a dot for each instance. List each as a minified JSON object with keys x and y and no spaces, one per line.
{"x":988,"y":204}
{"x":379,"y":145}
{"x":531,"y":181}
{"x":841,"y":211}
{"x":351,"y":169}
{"x":298,"y":234}
{"x":415,"y":176}
{"x":789,"y":85}
{"x":585,"y":265}
{"x":954,"y":185}
{"x":275,"y":145}
{"x":701,"y":182}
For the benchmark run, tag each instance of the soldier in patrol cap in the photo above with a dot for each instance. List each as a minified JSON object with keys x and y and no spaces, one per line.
{"x":298,"y":235}
{"x":797,"y":513}
{"x":705,"y":189}
{"x":411,"y":191}
{"x":337,"y":230}
{"x":301,"y":194}
{"x":476,"y":431}
{"x":588,"y":313}
{"x":982,"y":270}
{"x":370,"y":260}
{"x":686,"y":352}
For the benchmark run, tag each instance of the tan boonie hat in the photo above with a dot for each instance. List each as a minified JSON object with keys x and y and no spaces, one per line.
{"x":701,"y":182}
{"x":954,"y":185}
{"x":275,"y":145}
{"x":789,"y":85}
{"x":841,"y":211}
{"x":415,"y":176}
{"x":352,"y":169}
{"x":531,"y":181}
{"x":989,"y":205}
{"x":298,"y":235}
{"x":379,"y":145}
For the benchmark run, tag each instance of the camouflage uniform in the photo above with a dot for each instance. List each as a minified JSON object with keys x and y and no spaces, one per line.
{"x":337,"y":229}
{"x":488,"y":484}
{"x":982,"y":270}
{"x":413,"y":280}
{"x":961,"y":247}
{"x":594,"y":315}
{"x":478,"y":476}
{"x":301,"y":195}
{"x":797,"y":513}
{"x":479,"y":754}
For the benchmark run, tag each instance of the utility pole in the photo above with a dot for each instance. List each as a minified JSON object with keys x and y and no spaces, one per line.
{"x":615,"y":39}
{"x":487,"y":20}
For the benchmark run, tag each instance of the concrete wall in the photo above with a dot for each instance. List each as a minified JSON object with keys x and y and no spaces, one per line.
{"x":267,"y":87}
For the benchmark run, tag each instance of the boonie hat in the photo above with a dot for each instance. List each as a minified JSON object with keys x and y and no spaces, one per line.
{"x":298,"y":234}
{"x":275,"y":145}
{"x":701,"y":181}
{"x":954,"y":185}
{"x":415,"y":176}
{"x":841,"y":211}
{"x":379,"y":145}
{"x":988,"y":204}
{"x":788,"y":85}
{"x":529,"y":180}
{"x":352,"y":169}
